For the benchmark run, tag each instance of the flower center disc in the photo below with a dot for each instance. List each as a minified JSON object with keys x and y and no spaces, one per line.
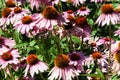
{"x":10,"y":3}
{"x":81,"y":21}
{"x":7,"y":56}
{"x":6,"y":12}
{"x":117,"y":10}
{"x":107,"y":9}
{"x":50,"y":12}
{"x":74,"y":57}
{"x":82,"y":8}
{"x":17,"y":10}
{"x":68,"y":26}
{"x":23,"y":61}
{"x":61,"y":61}
{"x":96,"y":55}
{"x":26,"y":20}
{"x":69,"y":11}
{"x":32,"y":59}
{"x":107,"y":39}
{"x":117,"y":56}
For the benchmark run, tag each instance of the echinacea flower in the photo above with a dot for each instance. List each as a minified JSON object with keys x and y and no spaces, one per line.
{"x":34,"y":65}
{"x":25,"y":25}
{"x":117,"y":32}
{"x":100,"y":58}
{"x":75,"y":2}
{"x":25,"y":78}
{"x":97,"y":1}
{"x":10,"y":3}
{"x":83,"y":11}
{"x":108,"y":16}
{"x":115,"y":47}
{"x":62,"y":69}
{"x":17,"y":14}
{"x":7,"y":42}
{"x":83,"y":26}
{"x":69,"y":16}
{"x":48,"y":18}
{"x":105,"y":40}
{"x":116,"y":62}
{"x":76,"y":60}
{"x":54,"y":2}
{"x":9,"y":57}
{"x":37,"y":3}
{"x":5,"y":19}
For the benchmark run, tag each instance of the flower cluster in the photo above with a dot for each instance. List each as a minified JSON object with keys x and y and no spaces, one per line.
{"x":60,"y":40}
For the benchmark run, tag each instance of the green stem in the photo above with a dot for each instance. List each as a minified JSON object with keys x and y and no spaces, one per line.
{"x":57,"y":40}
{"x":42,"y":77}
{"x":109,"y":55}
{"x":11,"y":75}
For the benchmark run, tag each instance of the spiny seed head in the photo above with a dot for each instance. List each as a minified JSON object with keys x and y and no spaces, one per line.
{"x":50,"y":12}
{"x":117,"y":56}
{"x":6,"y":11}
{"x":69,"y":11}
{"x":117,"y":10}
{"x":7,"y":56}
{"x":27,"y":19}
{"x":81,"y":21}
{"x":107,"y":9}
{"x":74,"y":57}
{"x":61,"y":61}
{"x":10,"y":3}
{"x":96,"y":55}
{"x":17,"y":10}
{"x":83,"y":8}
{"x":32,"y":59}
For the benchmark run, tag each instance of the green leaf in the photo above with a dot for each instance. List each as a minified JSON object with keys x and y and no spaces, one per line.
{"x":32,"y":43}
{"x":100,"y":74}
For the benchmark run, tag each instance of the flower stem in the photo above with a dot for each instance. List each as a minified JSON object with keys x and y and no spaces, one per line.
{"x":11,"y":75}
{"x":42,"y":76}
{"x":109,"y":54}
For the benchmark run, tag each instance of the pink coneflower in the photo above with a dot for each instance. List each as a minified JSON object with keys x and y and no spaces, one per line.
{"x":82,"y":25}
{"x":75,"y":2}
{"x":83,"y":11}
{"x":117,"y":32}
{"x":7,"y":42}
{"x":108,"y":16}
{"x":97,"y":1}
{"x":5,"y":20}
{"x":93,"y":41}
{"x":25,"y":78}
{"x":34,"y":65}
{"x":10,"y":3}
{"x":25,"y":25}
{"x":100,"y":58}
{"x":116,"y":62}
{"x":17,"y":14}
{"x":9,"y":57}
{"x":62,"y":69}
{"x":115,"y":46}
{"x":69,"y":16}
{"x":37,"y":3}
{"x":105,"y":41}
{"x":118,"y":11}
{"x":54,"y":2}
{"x":48,"y":18}
{"x":22,"y":63}
{"x":76,"y":60}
